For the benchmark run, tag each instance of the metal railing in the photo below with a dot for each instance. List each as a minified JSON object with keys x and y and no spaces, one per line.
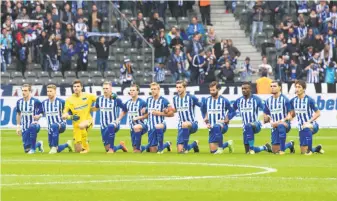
{"x":116,"y":10}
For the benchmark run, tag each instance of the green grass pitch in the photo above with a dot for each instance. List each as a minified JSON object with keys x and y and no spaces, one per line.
{"x":131,"y":177}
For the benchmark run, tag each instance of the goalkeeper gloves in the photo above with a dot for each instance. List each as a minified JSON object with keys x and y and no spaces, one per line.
{"x":75,"y":117}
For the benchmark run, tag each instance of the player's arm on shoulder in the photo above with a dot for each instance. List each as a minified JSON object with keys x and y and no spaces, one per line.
{"x":314,"y":107}
{"x":291,"y":111}
{"x":266,"y":113}
{"x":123,"y":108}
{"x":96,"y":107}
{"x":196,"y":101}
{"x":66,"y":110}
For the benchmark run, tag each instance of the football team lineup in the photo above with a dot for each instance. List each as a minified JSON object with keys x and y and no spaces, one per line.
{"x":149,"y":117}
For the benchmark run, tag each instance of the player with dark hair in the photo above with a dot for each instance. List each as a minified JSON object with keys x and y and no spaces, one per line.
{"x":248,"y":106}
{"x":217,"y":113}
{"x":306,"y":111}
{"x":276,"y":111}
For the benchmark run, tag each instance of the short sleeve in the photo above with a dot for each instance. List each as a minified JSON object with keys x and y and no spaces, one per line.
{"x":235,"y":104}
{"x":313,"y":105}
{"x":37,"y":106}
{"x":66,"y":107}
{"x":166,"y":103}
{"x":174,"y":102}
{"x":92,"y":98}
{"x":120,"y":104}
{"x":18,"y":107}
{"x":260,"y":103}
{"x":287,"y":104}
{"x":142,"y":104}
{"x":291,"y":105}
{"x":196,"y":101}
{"x":266,"y":108}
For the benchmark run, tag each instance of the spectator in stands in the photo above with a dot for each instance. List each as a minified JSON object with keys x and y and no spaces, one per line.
{"x":23,"y":14}
{"x":326,"y":55}
{"x":8,"y":25}
{"x":246,"y":70}
{"x":210,"y":67}
{"x":265,"y":67}
{"x":280,"y":42}
{"x":258,"y":13}
{"x":318,"y":43}
{"x":55,"y":15}
{"x":37,"y":14}
{"x":141,"y":23}
{"x":263,"y":84}
{"x":161,"y":47}
{"x":313,"y":22}
{"x":194,"y":47}
{"x":292,"y":49}
{"x":330,"y":39}
{"x":205,"y":10}
{"x":309,"y":38}
{"x":80,"y":27}
{"x":314,"y":68}
{"x":197,"y":70}
{"x":80,"y":14}
{"x":295,"y":72}
{"x":219,"y":48}
{"x":6,"y":41}
{"x":159,"y":73}
{"x":126,"y":72}
{"x":41,"y":39}
{"x":66,"y":17}
{"x":194,"y":28}
{"x":70,"y":32}
{"x":58,"y":31}
{"x":49,"y":50}
{"x":333,"y":17}
{"x":233,"y":52}
{"x":275,"y":7}
{"x":291,"y":34}
{"x":178,"y":65}
{"x":302,"y":6}
{"x":2,"y":59}
{"x":161,"y":6}
{"x":22,"y":52}
{"x":171,"y":35}
{"x":82,"y":49}
{"x":330,"y":71}
{"x":281,"y":70}
{"x":302,"y":31}
{"x":95,"y":20}
{"x":308,"y":55}
{"x":211,"y":39}
{"x":66,"y":55}
{"x":229,"y":6}
{"x":156,"y":23}
{"x":102,"y":50}
{"x":177,"y":42}
{"x":52,"y":4}
{"x":228,"y":73}
{"x":49,"y":23}
{"x":178,"y":8}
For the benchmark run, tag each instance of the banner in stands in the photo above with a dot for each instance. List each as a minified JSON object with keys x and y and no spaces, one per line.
{"x":232,"y":89}
{"x":327,"y":103}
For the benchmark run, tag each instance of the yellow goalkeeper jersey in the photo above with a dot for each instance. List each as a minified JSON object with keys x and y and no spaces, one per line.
{"x":80,"y":105}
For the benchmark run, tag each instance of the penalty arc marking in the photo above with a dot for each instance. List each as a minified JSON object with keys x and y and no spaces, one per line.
{"x":265,"y":170}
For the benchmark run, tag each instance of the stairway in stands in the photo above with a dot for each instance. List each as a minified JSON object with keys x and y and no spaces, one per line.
{"x":227,"y":27}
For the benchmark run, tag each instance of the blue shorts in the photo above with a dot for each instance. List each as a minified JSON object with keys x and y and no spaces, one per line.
{"x":304,"y":139}
{"x":212,"y":138}
{"x":275,"y":137}
{"x":256,"y":129}
{"x":193,"y":129}
{"x":315,"y":128}
{"x":103,"y":134}
{"x":144,"y":130}
{"x":26,"y":138}
{"x":152,"y":137}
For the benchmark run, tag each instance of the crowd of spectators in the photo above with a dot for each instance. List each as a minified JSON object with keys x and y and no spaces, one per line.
{"x":305,"y":39}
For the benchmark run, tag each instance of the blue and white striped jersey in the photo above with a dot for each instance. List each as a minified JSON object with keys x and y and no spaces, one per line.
{"x":304,"y":109}
{"x":185,"y":107}
{"x":277,"y":108}
{"x":109,"y":109}
{"x":248,"y":108}
{"x":27,"y":109}
{"x":134,"y":110}
{"x":217,"y":109}
{"x":52,"y":110}
{"x":156,"y":105}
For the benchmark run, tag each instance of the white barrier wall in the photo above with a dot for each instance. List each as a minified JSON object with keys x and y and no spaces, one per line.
{"x":327,"y":103}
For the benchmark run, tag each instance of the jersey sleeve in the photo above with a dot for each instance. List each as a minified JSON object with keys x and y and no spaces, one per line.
{"x":196,"y":101}
{"x":166,"y":103}
{"x":18,"y":107}
{"x":291,"y":104}
{"x":203,"y":107}
{"x":120,"y":104}
{"x":235,"y":105}
{"x":230,"y":109}
{"x":66,"y":107}
{"x":37,"y":107}
{"x":313,"y":105}
{"x":40,"y":109}
{"x":287,"y":104}
{"x":266,"y":108}
{"x":260,"y":103}
{"x":97,"y":103}
{"x":92,"y":98}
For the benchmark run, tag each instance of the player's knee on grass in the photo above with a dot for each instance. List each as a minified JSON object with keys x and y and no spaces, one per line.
{"x":78,"y":147}
{"x":275,"y":148}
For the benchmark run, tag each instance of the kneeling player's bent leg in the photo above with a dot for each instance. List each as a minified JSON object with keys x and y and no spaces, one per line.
{"x":136,"y":138}
{"x":305,"y":140}
{"x":77,"y":138}
{"x":275,"y":141}
{"x":160,"y":130}
{"x":282,"y":136}
{"x":249,"y":137}
{"x":183,"y":136}
{"x":152,"y":140}
{"x":54,"y":134}
{"x":215,"y":138}
{"x":26,"y":141}
{"x":33,"y":130}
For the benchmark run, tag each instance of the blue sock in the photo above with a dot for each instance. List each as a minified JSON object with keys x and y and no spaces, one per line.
{"x":186,"y":135}
{"x":144,"y":148}
{"x":61,"y":147}
{"x":308,"y":135}
{"x":313,"y":149}
{"x":259,"y":149}
{"x":191,"y":146}
{"x":282,"y":135}
{"x":166,"y":145}
{"x":38,"y":146}
{"x":55,"y":135}
{"x":248,"y":132}
{"x":116,"y":148}
{"x":160,"y":138}
{"x":110,"y":134}
{"x":288,"y":145}
{"x":33,"y":136}
{"x":225,"y":145}
{"x":137,"y":139}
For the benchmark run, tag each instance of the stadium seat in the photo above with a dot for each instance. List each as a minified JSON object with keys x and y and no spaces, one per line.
{"x":5,"y":77}
{"x":95,"y":74}
{"x":18,"y":80}
{"x":17,"y":75}
{"x":83,"y":75}
{"x":112,"y":58}
{"x":125,"y":44}
{"x":56,"y":74}
{"x":133,"y":51}
{"x":109,"y":74}
{"x":97,"y":81}
{"x":30,"y":74}
{"x":118,"y":51}
{"x":116,"y":66}
{"x":42,"y":74}
{"x":70,"y":75}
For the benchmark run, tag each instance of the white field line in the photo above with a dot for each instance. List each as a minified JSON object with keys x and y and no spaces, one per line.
{"x":265,"y":170}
